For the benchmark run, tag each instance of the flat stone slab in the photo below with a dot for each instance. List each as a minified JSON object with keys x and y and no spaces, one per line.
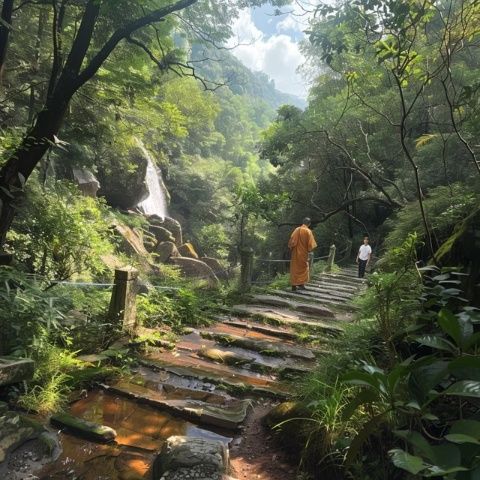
{"x":331,"y":292}
{"x":316,"y":299}
{"x":262,"y":346}
{"x":14,"y":370}
{"x":228,"y":416}
{"x":83,"y":428}
{"x":281,"y":316}
{"x":278,"y":300}
{"x":15,"y":430}
{"x":346,"y":279}
{"x":337,"y":287}
{"x":236,"y":383}
{"x":191,"y":458}
{"x":265,"y":329}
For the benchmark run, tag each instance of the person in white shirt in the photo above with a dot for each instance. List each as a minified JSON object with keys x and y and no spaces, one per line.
{"x":363,"y":257}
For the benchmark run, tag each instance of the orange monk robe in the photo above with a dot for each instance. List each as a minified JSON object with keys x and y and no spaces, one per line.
{"x":301,"y":242}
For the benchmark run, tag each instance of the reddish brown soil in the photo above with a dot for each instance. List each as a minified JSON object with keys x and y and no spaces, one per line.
{"x":257,"y":456}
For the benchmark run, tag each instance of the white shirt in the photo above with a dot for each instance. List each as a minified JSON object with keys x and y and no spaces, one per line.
{"x":364,"y":252}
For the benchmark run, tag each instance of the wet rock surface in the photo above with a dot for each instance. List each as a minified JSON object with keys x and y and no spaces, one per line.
{"x":185,"y":457}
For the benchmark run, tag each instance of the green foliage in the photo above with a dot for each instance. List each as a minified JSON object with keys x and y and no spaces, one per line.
{"x":446,"y":206}
{"x":59,"y":233}
{"x":177,"y":307}
{"x":26,"y":312}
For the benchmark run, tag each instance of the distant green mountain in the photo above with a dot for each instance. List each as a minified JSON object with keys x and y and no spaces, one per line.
{"x":222,"y":67}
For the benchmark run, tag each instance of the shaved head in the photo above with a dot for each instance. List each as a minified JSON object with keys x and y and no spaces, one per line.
{"x":306,"y":221}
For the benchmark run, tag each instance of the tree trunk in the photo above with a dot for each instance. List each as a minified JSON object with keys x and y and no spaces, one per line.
{"x":6,"y":15}
{"x":19,"y":166}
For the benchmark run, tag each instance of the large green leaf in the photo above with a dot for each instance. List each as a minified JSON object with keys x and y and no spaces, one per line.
{"x":450,"y":324}
{"x":418,"y":442}
{"x":356,"y":377}
{"x":464,"y":388}
{"x":470,"y":428}
{"x":465,"y":368}
{"x":436,"y":341}
{"x":461,"y":438}
{"x":425,"y":377}
{"x":405,"y":461}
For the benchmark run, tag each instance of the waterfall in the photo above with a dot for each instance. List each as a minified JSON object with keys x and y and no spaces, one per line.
{"x":156,"y":202}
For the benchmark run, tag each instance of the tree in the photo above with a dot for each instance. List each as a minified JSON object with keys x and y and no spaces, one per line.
{"x":102,"y":26}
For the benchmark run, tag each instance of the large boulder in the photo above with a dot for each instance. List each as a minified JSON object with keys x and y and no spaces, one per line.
{"x":194,"y":268}
{"x":165,"y":250}
{"x":15,"y":370}
{"x":124,"y":188}
{"x":219,"y":270}
{"x":161,"y":234}
{"x":86,"y":181}
{"x":187,"y":250}
{"x":169,"y":224}
{"x":188,"y":457}
{"x":131,"y":242}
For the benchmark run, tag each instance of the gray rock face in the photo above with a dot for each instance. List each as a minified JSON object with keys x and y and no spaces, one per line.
{"x":161,"y":234}
{"x":169,"y":224}
{"x":165,"y":251}
{"x":191,"y":458}
{"x":193,"y":268}
{"x":216,"y":266}
{"x":13,"y":370}
{"x":121,"y":188}
{"x":86,"y":181}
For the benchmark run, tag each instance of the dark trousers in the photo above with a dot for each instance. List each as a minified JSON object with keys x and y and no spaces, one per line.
{"x":362,"y":265}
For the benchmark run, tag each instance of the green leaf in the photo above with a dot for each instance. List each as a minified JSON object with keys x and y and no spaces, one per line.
{"x":450,"y":324}
{"x":418,"y":442}
{"x":356,"y":377}
{"x":464,"y":388}
{"x":436,"y":341}
{"x":465,"y":368}
{"x":405,"y":461}
{"x":466,"y":427}
{"x":461,"y":438}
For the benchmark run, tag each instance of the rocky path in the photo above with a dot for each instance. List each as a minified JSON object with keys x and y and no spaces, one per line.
{"x":215,"y":385}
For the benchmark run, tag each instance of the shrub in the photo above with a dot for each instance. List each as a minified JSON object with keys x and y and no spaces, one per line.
{"x":58,"y":233}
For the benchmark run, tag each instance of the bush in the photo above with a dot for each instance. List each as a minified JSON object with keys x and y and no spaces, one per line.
{"x":445,"y":207}
{"x":58,"y":233}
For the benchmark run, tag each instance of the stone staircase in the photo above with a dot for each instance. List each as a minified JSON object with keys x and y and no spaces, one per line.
{"x":216,"y":374}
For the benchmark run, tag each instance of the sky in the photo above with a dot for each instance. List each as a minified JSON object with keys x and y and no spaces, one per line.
{"x":271,"y":44}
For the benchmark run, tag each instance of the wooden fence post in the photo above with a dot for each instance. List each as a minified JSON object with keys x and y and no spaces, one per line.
{"x":246,"y":259}
{"x":331,"y":259}
{"x":123,"y":306}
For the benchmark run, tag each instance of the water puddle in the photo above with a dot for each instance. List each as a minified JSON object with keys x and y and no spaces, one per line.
{"x":141,"y":432}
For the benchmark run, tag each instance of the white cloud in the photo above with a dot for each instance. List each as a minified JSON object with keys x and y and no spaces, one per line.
{"x":278,"y":55}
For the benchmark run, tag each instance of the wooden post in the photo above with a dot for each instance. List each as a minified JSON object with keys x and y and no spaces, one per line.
{"x":331,"y":259}
{"x":123,"y":307}
{"x":246,"y":259}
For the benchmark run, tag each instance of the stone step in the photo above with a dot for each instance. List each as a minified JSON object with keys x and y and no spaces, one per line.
{"x":310,"y":294}
{"x":279,"y":316}
{"x":251,"y":329}
{"x":255,"y":361}
{"x":305,"y":296}
{"x":275,"y":349}
{"x":277,"y":300}
{"x":351,"y":289}
{"x":341,"y":279}
{"x":237,"y":381}
{"x":228,"y":416}
{"x":331,"y":291}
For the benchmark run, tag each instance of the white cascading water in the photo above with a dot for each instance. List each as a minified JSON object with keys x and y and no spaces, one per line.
{"x":156,"y":202}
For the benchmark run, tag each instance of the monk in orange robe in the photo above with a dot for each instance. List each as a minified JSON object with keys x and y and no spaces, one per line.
{"x":301,"y":243}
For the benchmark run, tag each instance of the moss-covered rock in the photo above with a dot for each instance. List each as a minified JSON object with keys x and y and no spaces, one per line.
{"x":83,"y":428}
